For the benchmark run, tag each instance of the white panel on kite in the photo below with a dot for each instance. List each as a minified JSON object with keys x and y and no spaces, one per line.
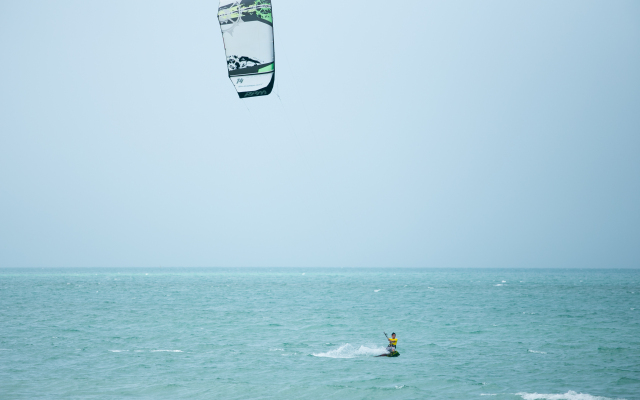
{"x":248,"y":84}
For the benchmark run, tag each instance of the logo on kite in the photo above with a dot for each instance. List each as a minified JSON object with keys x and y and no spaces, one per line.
{"x":256,"y":93}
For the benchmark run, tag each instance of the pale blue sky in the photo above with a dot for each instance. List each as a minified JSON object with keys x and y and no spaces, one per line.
{"x":423,"y":134}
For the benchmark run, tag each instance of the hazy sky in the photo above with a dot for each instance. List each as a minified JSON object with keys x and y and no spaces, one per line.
{"x":408,"y":134}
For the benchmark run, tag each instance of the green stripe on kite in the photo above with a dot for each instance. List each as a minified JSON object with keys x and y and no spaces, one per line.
{"x":268,"y":68}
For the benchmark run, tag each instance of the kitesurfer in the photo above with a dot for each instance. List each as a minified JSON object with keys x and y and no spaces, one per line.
{"x":392,"y":343}
{"x":391,"y":349}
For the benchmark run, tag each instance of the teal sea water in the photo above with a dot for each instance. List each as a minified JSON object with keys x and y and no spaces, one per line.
{"x":313,"y":334}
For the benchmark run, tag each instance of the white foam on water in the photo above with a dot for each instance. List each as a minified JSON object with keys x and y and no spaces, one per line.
{"x":570,"y":395}
{"x":499,"y":284}
{"x":488,"y":394}
{"x":504,"y":281}
{"x":377,"y":290}
{"x":118,"y":351}
{"x":351,"y":351}
{"x":276,"y":349}
{"x":399,"y":387}
{"x":167,"y":351}
{"x":537,"y":352}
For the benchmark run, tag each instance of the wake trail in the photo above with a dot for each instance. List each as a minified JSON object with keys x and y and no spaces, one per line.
{"x":350,"y":351}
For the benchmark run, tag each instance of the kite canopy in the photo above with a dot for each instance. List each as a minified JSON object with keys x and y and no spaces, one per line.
{"x":247,"y":32}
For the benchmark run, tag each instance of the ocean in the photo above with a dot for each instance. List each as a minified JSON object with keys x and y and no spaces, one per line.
{"x":313,"y":333}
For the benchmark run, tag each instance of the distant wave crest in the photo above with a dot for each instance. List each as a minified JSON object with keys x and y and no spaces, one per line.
{"x":570,"y":395}
{"x":351,"y":351}
{"x":168,"y":351}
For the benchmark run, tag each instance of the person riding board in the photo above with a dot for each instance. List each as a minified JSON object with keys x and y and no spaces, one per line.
{"x":392,"y":343}
{"x":392,"y":352}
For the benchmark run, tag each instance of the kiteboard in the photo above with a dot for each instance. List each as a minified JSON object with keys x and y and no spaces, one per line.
{"x":393,"y":354}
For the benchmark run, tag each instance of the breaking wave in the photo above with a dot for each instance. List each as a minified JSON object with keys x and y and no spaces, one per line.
{"x":351,"y":351}
{"x":570,"y":395}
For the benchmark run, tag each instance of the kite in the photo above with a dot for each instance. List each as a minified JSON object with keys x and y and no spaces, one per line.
{"x":247,"y":32}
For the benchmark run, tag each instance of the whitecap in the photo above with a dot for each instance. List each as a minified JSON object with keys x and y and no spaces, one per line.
{"x":499,"y":284}
{"x":351,"y":351}
{"x":377,"y":290}
{"x":537,"y":352}
{"x":167,"y":351}
{"x":488,"y":394}
{"x":504,"y":281}
{"x":570,"y":395}
{"x":276,"y":349}
{"x":118,"y":351}
{"x":399,"y":387}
